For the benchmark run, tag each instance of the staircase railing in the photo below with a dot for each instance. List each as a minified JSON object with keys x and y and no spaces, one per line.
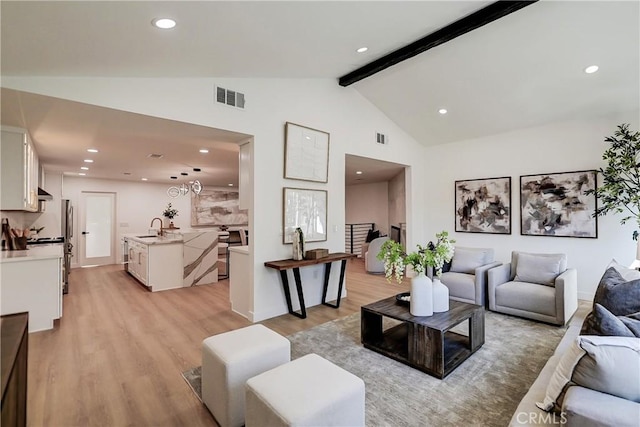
{"x":355,"y":235}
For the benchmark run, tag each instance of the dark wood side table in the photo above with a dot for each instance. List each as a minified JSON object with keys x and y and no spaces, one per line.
{"x":289,"y":264}
{"x":15,"y":341}
{"x":424,"y":343}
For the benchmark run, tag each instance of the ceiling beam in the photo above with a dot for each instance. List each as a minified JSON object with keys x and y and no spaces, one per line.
{"x":462,"y":26}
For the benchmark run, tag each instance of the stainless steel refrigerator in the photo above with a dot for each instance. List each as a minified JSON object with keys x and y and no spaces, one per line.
{"x":67,"y":233}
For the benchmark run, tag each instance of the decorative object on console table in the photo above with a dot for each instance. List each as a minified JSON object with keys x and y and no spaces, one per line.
{"x":434,"y":256}
{"x":306,"y":209}
{"x":559,"y":204}
{"x":316,"y":253}
{"x":306,"y":153}
{"x":483,"y":205}
{"x":298,"y":244}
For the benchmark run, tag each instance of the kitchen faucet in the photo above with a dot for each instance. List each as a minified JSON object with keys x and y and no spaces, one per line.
{"x":161,"y":227}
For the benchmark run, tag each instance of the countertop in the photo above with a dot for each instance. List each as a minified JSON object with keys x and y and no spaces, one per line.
{"x":33,"y":253}
{"x":155,"y":240}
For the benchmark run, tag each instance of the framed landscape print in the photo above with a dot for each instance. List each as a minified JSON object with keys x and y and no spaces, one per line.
{"x":554,"y":204}
{"x":483,"y":205}
{"x":306,"y":153}
{"x":306,"y":209}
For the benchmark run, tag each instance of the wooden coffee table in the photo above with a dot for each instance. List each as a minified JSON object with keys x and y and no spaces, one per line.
{"x":424,"y":343}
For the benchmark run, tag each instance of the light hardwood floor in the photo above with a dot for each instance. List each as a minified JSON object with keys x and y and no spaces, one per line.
{"x":116,"y":356}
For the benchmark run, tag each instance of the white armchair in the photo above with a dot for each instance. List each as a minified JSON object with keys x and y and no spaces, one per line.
{"x":371,"y":263}
{"x":535,"y":286}
{"x":467,"y":276}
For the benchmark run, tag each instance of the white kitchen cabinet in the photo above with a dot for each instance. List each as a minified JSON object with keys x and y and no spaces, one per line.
{"x":31,"y":280}
{"x":156,"y":263}
{"x":19,"y":168}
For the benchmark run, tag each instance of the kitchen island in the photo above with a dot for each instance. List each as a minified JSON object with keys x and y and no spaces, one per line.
{"x":31,"y":280}
{"x":179,"y":259}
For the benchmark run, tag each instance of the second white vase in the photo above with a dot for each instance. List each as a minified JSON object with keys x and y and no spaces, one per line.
{"x":440,"y":296}
{"x":421,"y":303}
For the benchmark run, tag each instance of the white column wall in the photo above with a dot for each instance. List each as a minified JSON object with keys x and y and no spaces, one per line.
{"x":318,"y":103}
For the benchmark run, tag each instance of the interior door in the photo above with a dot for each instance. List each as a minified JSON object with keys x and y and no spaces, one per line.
{"x":97,"y":229}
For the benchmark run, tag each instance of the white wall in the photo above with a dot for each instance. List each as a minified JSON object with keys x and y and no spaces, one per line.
{"x":368,"y":203}
{"x":397,"y":200}
{"x":560,"y":147}
{"x":350,"y":119}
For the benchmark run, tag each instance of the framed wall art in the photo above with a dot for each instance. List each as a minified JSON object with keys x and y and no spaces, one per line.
{"x":483,"y":205}
{"x":554,"y":204}
{"x":217,"y":207}
{"x":306,"y":209}
{"x":306,"y":153}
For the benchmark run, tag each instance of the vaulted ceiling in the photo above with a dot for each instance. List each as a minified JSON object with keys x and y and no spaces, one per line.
{"x":522,"y":70}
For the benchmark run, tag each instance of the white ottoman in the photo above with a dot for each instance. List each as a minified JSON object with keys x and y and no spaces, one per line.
{"x":309,"y":391}
{"x":229,"y":360}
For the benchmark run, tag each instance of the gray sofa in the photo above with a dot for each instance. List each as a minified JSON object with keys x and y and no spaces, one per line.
{"x":582,"y":407}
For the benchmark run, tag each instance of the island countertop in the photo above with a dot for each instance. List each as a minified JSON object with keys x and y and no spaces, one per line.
{"x":148,"y":239}
{"x":33,"y":253}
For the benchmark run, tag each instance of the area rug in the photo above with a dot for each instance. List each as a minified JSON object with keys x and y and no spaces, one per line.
{"x":483,"y":391}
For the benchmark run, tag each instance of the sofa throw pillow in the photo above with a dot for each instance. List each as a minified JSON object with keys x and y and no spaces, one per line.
{"x":603,"y":364}
{"x":466,"y":260}
{"x":539,"y":268}
{"x":626,"y":272}
{"x":603,"y":322}
{"x":619,"y":296}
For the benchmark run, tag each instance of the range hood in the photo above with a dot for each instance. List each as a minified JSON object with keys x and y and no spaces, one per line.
{"x":43,"y":195}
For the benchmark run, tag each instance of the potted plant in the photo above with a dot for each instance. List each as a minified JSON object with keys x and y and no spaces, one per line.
{"x":620,"y":188}
{"x":169,"y":213}
{"x":396,"y":260}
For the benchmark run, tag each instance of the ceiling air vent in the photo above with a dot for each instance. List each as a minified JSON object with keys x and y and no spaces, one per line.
{"x":229,"y":97}
{"x":381,"y":138}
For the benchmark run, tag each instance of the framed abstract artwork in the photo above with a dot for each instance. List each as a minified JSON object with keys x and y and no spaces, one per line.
{"x":483,"y":205}
{"x":554,"y":204}
{"x":306,"y":153}
{"x":306,"y":209}
{"x":217,"y":207}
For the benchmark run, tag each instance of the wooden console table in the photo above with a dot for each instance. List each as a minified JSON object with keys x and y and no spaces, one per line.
{"x":287,"y":264}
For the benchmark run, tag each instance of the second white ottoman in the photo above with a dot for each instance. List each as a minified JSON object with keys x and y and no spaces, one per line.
{"x":229,"y":360}
{"x":309,"y":391}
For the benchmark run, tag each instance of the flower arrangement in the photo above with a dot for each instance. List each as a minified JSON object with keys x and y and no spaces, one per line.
{"x":170,"y":212}
{"x":395,"y":259}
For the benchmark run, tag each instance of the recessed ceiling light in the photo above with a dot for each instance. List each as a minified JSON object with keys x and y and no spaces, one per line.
{"x":88,"y":161}
{"x":230,"y":185}
{"x":197,"y":169}
{"x":358,"y":172}
{"x":174,"y":177}
{"x":591,"y":69}
{"x":362,"y":49}
{"x":164,"y":23}
{"x":144,"y":179}
{"x":443,"y":111}
{"x":82,"y":174}
{"x":184,"y":173}
{"x":92,"y":150}
{"x":204,"y":151}
{"x":84,"y":168}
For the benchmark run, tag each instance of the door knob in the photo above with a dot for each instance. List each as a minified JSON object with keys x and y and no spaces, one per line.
{"x":85,"y":232}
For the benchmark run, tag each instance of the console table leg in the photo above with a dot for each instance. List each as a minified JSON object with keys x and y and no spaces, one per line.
{"x":303,"y":310}
{"x":287,"y":294}
{"x":327,"y":274}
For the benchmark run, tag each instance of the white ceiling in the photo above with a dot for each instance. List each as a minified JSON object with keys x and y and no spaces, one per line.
{"x":523,"y":70}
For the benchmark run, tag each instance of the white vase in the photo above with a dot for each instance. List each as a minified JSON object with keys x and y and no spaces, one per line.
{"x":440,"y":296}
{"x":421,"y":303}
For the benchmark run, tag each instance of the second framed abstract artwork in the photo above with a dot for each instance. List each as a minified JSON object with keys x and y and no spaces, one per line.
{"x":483,"y":205}
{"x":554,"y":204}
